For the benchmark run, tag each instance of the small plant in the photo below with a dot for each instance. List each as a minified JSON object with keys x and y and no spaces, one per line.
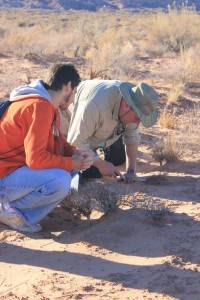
{"x":104,"y":197}
{"x":77,"y":203}
{"x":173,"y":150}
{"x":156,"y":211}
{"x":153,"y":209}
{"x":33,"y":57}
{"x":167,"y":148}
{"x":107,"y":196}
{"x":158,"y":151}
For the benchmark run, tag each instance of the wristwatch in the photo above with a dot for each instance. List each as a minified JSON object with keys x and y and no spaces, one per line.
{"x":131,"y":171}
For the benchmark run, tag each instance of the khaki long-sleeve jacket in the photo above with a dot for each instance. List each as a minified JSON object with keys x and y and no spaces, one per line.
{"x":94,"y":121}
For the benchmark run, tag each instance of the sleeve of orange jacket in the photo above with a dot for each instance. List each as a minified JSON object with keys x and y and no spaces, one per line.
{"x":36,"y":121}
{"x":68,"y":149}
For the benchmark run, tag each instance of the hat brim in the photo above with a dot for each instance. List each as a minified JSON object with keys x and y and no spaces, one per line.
{"x":127,"y":91}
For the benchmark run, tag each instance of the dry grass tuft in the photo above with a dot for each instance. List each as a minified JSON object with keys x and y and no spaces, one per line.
{"x":185,"y":138}
{"x":168,"y":120}
{"x":189,"y":128}
{"x":181,"y":70}
{"x":176,"y":92}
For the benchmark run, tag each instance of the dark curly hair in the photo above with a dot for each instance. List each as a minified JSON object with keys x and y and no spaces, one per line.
{"x":60,"y":74}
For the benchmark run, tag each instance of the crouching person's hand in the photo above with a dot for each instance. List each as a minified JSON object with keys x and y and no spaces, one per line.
{"x":81,"y":160}
{"x":84,"y":153}
{"x":106,"y":168}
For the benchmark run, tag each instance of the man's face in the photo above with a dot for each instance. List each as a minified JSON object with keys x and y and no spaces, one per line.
{"x":68,"y":98}
{"x":126,"y":114}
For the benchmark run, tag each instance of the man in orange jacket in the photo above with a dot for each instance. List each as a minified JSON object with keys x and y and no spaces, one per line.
{"x":35,"y":158}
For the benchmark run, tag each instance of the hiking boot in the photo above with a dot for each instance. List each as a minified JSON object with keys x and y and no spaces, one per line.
{"x":16,"y":222}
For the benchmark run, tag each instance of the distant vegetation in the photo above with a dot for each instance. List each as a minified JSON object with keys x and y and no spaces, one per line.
{"x":116,"y":45}
{"x":95,"y":5}
{"x":108,"y":42}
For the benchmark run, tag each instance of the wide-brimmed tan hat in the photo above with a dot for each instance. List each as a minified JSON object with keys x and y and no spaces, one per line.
{"x":143,"y":99}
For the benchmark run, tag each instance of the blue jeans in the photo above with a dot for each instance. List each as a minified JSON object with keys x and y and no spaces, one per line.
{"x":32,"y":194}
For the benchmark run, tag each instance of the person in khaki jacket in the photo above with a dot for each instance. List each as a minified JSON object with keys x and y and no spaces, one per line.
{"x":103,"y":112}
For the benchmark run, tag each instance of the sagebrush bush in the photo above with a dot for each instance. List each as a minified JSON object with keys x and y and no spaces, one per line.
{"x":97,"y":195}
{"x":108,"y":196}
{"x":167,"y":148}
{"x":152,"y":209}
{"x":112,"y":61}
{"x":177,"y":32}
{"x":77,"y":203}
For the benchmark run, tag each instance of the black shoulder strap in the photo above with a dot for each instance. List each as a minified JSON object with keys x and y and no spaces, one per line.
{"x":3,"y":106}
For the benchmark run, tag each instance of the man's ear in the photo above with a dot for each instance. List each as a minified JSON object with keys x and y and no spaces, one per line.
{"x":125,"y":104}
{"x":68,"y":86}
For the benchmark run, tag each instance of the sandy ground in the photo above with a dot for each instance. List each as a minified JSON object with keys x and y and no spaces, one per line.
{"x":126,"y":254}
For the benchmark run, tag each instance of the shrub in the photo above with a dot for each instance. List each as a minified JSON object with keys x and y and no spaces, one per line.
{"x":102,"y":196}
{"x":167,"y":149}
{"x":108,"y":196}
{"x":176,"y":31}
{"x":112,"y":55}
{"x":152,"y":209}
{"x":77,"y":203}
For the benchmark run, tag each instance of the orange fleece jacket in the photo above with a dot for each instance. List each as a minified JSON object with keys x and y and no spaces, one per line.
{"x":26,"y":137}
